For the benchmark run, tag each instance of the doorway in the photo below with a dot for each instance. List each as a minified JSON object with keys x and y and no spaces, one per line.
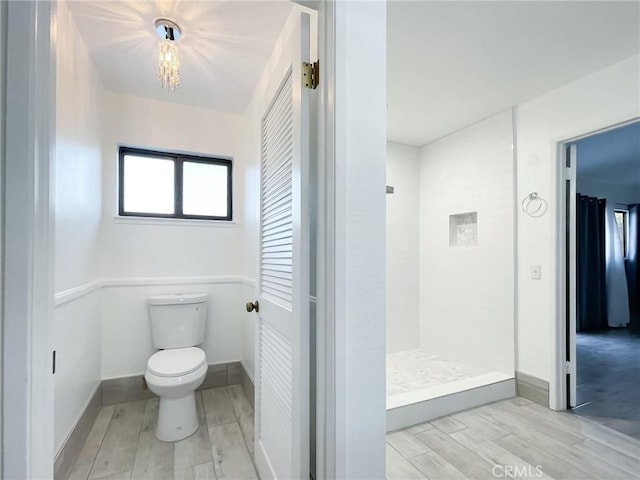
{"x":602,"y":196}
{"x":82,"y":363}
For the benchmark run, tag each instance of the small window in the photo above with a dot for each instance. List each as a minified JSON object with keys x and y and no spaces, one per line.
{"x":170,"y":185}
{"x":622,"y":222}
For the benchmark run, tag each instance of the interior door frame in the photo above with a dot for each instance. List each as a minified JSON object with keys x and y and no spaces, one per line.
{"x":325,"y":461}
{"x":3,"y":68}
{"x":564,"y":369}
{"x":567,"y":272}
{"x":28,"y":442}
{"x":350,"y":394}
{"x":325,"y":334}
{"x":27,"y":246}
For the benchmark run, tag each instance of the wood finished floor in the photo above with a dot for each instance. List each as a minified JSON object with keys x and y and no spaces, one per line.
{"x":516,"y":434}
{"x":122,"y":444}
{"x":476,"y":444}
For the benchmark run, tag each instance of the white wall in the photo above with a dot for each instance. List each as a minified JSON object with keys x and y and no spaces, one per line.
{"x":403,"y":173}
{"x":467,"y":292}
{"x":360,"y":277}
{"x":604,"y":98}
{"x":250,"y":154}
{"x":78,"y":209}
{"x":149,"y":248}
{"x":146,"y":257}
{"x":126,"y":334}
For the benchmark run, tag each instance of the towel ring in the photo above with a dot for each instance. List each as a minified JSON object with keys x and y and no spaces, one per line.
{"x":534,"y":205}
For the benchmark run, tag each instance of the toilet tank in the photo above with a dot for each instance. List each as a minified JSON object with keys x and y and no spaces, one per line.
{"x":177,"y":321}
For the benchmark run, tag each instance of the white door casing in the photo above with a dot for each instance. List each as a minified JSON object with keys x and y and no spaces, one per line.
{"x":282,"y":347}
{"x":27,"y":390}
{"x":571,"y":252}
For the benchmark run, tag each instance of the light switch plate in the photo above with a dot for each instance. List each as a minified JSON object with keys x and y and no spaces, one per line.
{"x":536,"y":272}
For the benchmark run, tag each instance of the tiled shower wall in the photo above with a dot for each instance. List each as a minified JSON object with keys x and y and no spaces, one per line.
{"x":467,"y":285}
{"x":403,"y":167}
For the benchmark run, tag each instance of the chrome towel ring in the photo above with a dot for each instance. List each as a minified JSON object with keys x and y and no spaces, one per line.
{"x":534,"y":205}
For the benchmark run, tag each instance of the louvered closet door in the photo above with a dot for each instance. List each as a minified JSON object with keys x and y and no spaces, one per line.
{"x":282,"y":356}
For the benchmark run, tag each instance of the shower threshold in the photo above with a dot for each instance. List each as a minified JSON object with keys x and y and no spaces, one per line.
{"x":421,"y":387}
{"x":412,"y":408}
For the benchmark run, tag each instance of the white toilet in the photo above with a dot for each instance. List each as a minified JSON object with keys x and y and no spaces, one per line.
{"x":174,"y":373}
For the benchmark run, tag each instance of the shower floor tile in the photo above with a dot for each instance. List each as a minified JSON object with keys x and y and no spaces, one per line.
{"x":417,"y":369}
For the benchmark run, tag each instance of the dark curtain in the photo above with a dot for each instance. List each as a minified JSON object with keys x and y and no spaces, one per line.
{"x":591,"y":264}
{"x":631,"y":265}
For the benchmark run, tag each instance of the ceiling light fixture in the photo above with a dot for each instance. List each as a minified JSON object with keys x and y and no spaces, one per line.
{"x":169,"y":62}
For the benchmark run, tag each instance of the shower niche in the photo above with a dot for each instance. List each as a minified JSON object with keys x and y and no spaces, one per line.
{"x":463,"y":229}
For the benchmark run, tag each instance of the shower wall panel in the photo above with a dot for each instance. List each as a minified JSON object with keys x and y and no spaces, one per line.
{"x":403,"y":174}
{"x":467,"y":287}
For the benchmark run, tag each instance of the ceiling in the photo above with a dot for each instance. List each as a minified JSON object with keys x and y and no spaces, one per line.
{"x":223,"y":49}
{"x":453,"y":63}
{"x":611,"y":157}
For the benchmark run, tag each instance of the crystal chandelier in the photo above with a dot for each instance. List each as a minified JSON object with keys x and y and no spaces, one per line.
{"x":169,"y":62}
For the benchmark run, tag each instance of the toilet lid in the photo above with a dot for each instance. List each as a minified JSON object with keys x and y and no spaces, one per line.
{"x":175,"y":362}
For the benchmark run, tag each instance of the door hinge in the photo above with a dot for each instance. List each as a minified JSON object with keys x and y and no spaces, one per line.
{"x":569,"y":368}
{"x":311,"y":75}
{"x":568,"y":173}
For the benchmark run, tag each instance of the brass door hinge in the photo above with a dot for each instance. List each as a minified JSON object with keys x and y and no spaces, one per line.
{"x":311,"y":74}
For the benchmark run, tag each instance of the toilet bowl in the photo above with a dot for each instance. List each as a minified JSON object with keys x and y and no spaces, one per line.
{"x":174,"y":374}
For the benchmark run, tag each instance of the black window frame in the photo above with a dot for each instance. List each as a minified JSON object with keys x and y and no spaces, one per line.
{"x":625,"y":230}
{"x":178,"y":164}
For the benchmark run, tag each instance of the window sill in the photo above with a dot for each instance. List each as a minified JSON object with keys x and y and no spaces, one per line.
{"x":173,"y":222}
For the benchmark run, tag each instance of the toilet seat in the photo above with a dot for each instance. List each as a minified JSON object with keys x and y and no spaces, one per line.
{"x":176,"y":362}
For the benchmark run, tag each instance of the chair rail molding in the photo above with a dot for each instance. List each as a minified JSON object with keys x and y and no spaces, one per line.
{"x":75,"y":293}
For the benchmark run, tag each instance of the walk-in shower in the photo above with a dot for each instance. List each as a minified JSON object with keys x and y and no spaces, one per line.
{"x":451,"y":273}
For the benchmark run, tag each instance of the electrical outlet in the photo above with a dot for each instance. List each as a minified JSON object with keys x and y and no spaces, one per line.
{"x":536,"y":272}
